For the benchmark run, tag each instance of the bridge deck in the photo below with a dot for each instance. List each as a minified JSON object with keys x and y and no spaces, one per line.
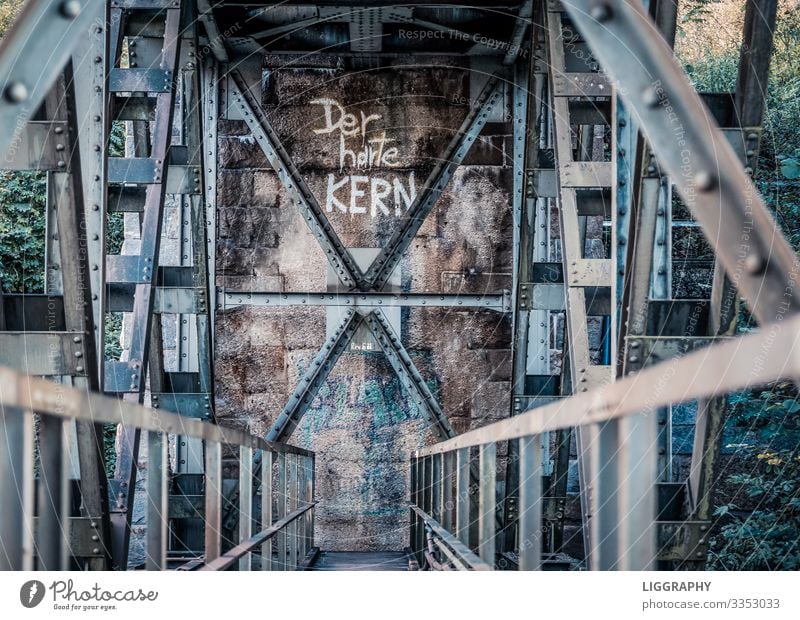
{"x":361,"y":560}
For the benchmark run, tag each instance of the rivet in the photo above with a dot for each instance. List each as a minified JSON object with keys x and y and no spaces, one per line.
{"x":753,"y":263}
{"x":650,"y":97}
{"x":601,"y":12}
{"x":704,"y":181}
{"x":16,"y":92}
{"x":70,"y":9}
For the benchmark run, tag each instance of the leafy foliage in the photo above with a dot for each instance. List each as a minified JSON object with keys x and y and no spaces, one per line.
{"x":763,"y":537}
{"x":22,"y":211}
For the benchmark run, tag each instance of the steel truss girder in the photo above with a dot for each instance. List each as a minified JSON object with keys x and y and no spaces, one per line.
{"x":696,"y":155}
{"x":407,"y":372}
{"x":33,"y":53}
{"x":71,"y":215}
{"x":233,"y":299}
{"x":594,"y":443}
{"x":345,"y":266}
{"x":759,"y":26}
{"x":144,"y":327}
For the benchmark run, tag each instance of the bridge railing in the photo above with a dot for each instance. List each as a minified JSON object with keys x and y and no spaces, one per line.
{"x":444,"y":508}
{"x":38,"y":529}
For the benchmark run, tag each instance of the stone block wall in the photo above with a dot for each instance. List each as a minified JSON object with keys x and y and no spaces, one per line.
{"x":361,"y":425}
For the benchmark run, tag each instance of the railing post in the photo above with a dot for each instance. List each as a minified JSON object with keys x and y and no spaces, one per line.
{"x":157,"y":510}
{"x":52,"y":541}
{"x":16,"y":489}
{"x":462,"y":492}
{"x":245,"y":502}
{"x":412,"y":517}
{"x":530,"y":503}
{"x":266,"y":507}
{"x":436,"y":487}
{"x":291,"y":500}
{"x":487,"y":502}
{"x":313,"y":495}
{"x":213,"y":499}
{"x":447,"y":490}
{"x":302,"y":501}
{"x":281,"y":505}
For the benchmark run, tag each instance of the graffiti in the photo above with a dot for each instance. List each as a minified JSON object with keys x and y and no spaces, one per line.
{"x":364,"y":149}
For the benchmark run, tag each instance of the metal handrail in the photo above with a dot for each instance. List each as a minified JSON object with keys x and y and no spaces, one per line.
{"x":27,"y":543}
{"x":228,"y":558}
{"x":701,"y":374}
{"x":770,"y":354}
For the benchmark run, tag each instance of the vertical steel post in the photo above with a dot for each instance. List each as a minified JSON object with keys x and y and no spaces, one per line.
{"x":448,"y":474}
{"x":487,"y":502}
{"x":462,"y":495}
{"x":52,"y":536}
{"x":530,"y":503}
{"x":245,"y":502}
{"x":436,"y":486}
{"x":290,"y":508}
{"x":213,"y":500}
{"x":266,"y":507}
{"x":281,"y":505}
{"x":16,"y":489}
{"x":157,"y":510}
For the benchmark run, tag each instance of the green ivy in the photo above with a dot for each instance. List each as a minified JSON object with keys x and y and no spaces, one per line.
{"x":22,"y":230}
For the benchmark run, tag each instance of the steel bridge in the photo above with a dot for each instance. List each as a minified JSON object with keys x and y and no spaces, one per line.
{"x":605,"y":126}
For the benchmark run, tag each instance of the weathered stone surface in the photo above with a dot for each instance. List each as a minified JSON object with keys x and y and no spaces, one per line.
{"x":429,"y":86}
{"x":361,"y":424}
{"x":241,"y":152}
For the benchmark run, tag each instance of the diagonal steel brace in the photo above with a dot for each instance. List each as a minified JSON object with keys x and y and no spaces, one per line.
{"x":410,"y":377}
{"x":335,"y":251}
{"x":385,"y":263}
{"x":314,"y":377}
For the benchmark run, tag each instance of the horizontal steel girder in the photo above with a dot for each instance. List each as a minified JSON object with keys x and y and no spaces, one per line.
{"x":233,"y":299}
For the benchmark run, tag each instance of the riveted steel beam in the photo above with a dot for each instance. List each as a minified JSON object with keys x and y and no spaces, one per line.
{"x":314,"y":377}
{"x":694,"y":152}
{"x":33,"y":54}
{"x":233,"y":299}
{"x":266,"y":137}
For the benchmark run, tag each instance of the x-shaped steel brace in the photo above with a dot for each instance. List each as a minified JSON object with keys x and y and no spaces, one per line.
{"x":337,"y":254}
{"x":345,"y":266}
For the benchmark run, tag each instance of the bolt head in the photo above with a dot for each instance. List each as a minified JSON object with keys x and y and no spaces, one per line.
{"x":704,"y":181}
{"x":650,"y":96}
{"x":17,"y":92}
{"x":753,"y":263}
{"x":70,"y":9}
